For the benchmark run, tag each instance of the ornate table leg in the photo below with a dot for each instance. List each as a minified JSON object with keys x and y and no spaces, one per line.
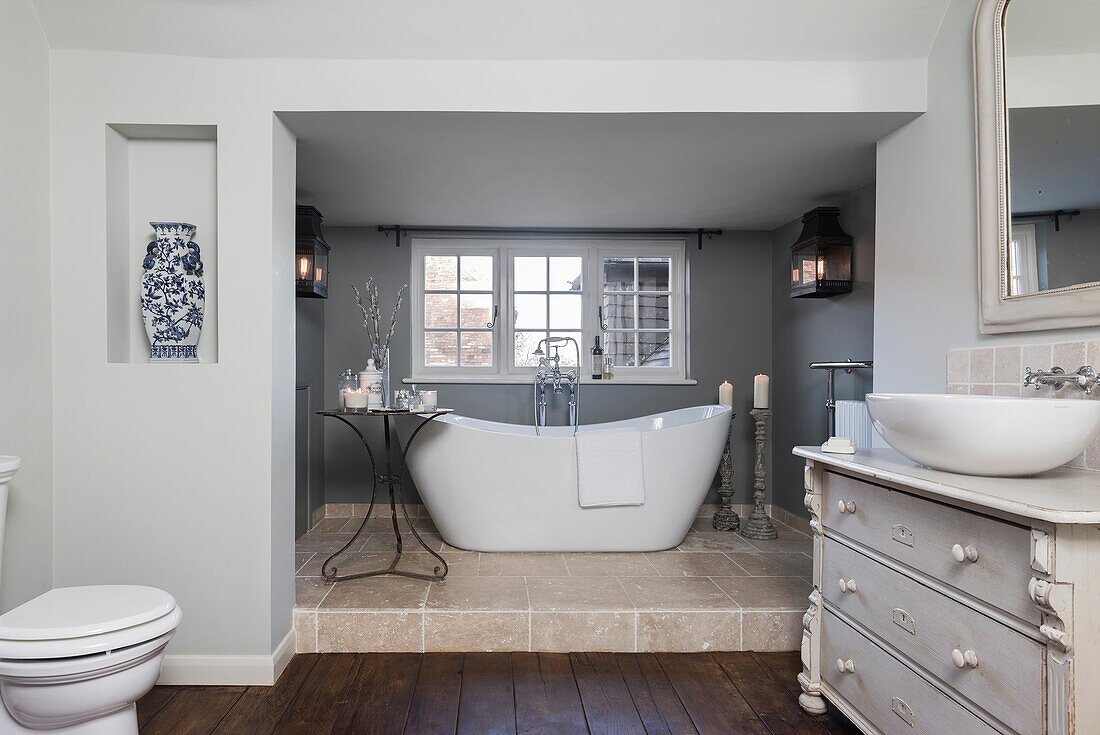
{"x":726,"y":518}
{"x":759,"y":526}
{"x":393,"y":483}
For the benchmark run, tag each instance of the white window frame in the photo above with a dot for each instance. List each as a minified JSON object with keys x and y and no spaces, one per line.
{"x":593,"y":251}
{"x":1023,"y":254}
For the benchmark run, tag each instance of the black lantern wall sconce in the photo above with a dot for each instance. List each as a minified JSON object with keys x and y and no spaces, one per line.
{"x":311,"y":254}
{"x":821,"y":259}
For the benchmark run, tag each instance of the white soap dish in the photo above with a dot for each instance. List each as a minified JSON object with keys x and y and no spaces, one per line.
{"x":839,"y":445}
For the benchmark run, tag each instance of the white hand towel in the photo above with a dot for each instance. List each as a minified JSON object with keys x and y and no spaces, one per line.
{"x":609,"y":468}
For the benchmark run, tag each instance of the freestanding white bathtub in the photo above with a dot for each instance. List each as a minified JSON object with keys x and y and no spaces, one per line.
{"x":498,"y":487}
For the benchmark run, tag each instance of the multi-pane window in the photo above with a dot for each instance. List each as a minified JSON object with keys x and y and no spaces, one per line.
{"x":481,"y":307}
{"x":636,"y":311}
{"x":547,"y":300}
{"x":457,"y":310}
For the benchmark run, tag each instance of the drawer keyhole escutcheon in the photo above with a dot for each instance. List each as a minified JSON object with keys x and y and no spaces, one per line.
{"x":963,"y":660}
{"x":905,"y":621}
{"x":845,"y":667}
{"x":849,"y":586}
{"x":849,"y":507}
{"x":903,"y":535}
{"x":964,"y":554}
{"x":902,"y":710}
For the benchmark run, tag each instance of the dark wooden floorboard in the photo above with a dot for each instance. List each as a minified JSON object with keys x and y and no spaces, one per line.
{"x":657,"y":703}
{"x":504,"y":694}
{"x":608,"y":706}
{"x":784,"y":669}
{"x":715,"y":705}
{"x":260,"y":708}
{"x":434,"y":708}
{"x":487,"y":705}
{"x":378,"y":701}
{"x":317,"y":703}
{"x":193,"y":711}
{"x":154,"y":702}
{"x":770,"y":702}
{"x":547,"y":701}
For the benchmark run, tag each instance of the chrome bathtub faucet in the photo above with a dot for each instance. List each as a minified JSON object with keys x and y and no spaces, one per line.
{"x":549,"y":373}
{"x":1057,"y":378}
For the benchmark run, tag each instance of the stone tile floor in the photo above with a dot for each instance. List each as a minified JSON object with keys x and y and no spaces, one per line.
{"x":716,"y":591}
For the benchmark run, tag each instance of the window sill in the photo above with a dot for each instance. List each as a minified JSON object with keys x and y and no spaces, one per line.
{"x":528,"y":381}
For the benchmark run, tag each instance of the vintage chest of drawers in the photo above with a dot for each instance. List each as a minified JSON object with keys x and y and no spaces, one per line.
{"x":949,"y":604}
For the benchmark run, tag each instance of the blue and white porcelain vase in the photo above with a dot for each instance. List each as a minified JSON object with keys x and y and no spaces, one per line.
{"x":173,"y":295}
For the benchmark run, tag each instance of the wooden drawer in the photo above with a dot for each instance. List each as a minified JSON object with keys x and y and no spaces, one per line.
{"x":922,"y":534}
{"x":927,"y":626}
{"x":885,"y":691}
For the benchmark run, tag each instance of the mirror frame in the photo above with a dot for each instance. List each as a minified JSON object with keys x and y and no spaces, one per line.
{"x":1073,"y":306}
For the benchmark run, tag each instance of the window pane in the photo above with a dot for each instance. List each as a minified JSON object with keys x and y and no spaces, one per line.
{"x":653,"y":274}
{"x":565,"y":311}
{"x":441,"y":349}
{"x":440,"y":310}
{"x":477,"y":349}
{"x":654,"y":349}
{"x":440,"y":273}
{"x":567,"y":352}
{"x":620,"y":345}
{"x":530,"y":311}
{"x":618,"y":274}
{"x":477,"y":310}
{"x":525,"y":343}
{"x":530,"y":274}
{"x":618,"y":312}
{"x":477,"y":273}
{"x":565,"y":274}
{"x":653,"y":312}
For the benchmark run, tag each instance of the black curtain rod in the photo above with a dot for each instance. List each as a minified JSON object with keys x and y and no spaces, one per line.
{"x":596,"y":231}
{"x":1054,"y":214}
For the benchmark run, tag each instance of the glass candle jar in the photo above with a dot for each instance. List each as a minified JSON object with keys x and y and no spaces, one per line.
{"x":347,"y":381}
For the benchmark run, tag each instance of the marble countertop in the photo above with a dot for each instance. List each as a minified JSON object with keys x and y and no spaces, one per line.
{"x":1064,"y":495}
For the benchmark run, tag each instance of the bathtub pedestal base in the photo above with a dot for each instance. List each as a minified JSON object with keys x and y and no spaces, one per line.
{"x":393,"y":482}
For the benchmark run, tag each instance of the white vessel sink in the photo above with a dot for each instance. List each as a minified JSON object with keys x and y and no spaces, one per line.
{"x":985,"y":435}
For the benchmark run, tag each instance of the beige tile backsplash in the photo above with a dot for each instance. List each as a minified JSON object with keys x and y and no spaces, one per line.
{"x":988,"y":371}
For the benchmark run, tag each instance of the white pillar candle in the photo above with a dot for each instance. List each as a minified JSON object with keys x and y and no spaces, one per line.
{"x":725,"y":393}
{"x":760,"y":391}
{"x":355,"y":399}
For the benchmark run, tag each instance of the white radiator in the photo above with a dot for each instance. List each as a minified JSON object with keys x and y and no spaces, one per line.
{"x":853,"y":422}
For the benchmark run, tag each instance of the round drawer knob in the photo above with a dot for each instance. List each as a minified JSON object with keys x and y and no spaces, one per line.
{"x":849,"y":586}
{"x":849,"y":507}
{"x":845,"y":667}
{"x":963,"y":660}
{"x":964,"y":553}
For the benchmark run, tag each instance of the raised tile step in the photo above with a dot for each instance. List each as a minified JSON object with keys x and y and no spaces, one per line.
{"x":716,"y":592}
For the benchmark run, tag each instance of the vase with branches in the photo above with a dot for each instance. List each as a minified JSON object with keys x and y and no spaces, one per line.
{"x":378,"y":336}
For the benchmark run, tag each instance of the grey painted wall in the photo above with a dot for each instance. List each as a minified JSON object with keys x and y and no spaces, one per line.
{"x":1072,"y":252}
{"x":805,"y":330}
{"x":730,"y":322}
{"x":309,"y":325}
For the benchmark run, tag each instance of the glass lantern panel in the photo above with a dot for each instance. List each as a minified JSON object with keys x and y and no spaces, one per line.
{"x":320,"y":269}
{"x":305,"y":266}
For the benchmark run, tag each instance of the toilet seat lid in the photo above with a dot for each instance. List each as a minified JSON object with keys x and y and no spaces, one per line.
{"x":79,"y":612}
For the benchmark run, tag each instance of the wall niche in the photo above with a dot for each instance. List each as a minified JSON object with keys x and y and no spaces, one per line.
{"x":157,"y":173}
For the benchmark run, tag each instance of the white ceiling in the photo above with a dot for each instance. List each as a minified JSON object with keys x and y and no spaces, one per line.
{"x":751,"y":171}
{"x":501,"y":29}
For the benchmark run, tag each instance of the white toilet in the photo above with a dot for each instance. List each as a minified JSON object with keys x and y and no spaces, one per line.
{"x":75,"y":659}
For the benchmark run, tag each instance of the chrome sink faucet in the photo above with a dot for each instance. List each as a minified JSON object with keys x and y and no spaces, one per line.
{"x":1085,"y":378}
{"x":549,"y":372}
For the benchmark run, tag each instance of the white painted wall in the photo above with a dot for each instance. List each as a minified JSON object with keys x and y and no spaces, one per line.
{"x":926,"y":258}
{"x":26,"y":402}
